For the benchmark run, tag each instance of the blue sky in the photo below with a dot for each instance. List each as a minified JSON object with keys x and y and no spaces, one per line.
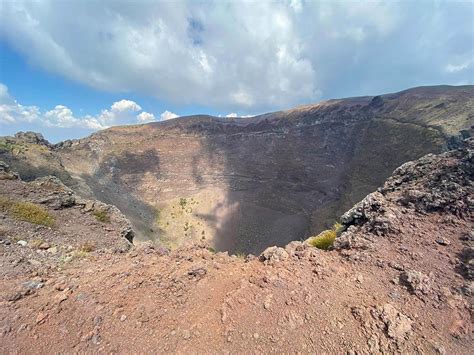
{"x":69,"y":68}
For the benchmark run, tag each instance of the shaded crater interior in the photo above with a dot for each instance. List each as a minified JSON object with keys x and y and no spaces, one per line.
{"x":244,"y":184}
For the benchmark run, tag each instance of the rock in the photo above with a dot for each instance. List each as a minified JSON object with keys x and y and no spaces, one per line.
{"x":123,"y":317}
{"x":432,"y":184}
{"x":274,"y":254}
{"x":23,"y":243}
{"x":6,"y":173}
{"x":32,"y":138}
{"x":416,"y":282}
{"x":296,"y":248}
{"x":197,"y":273}
{"x":96,"y":339}
{"x":369,"y":208}
{"x":249,"y":258}
{"x":397,"y":325}
{"x":267,"y":302}
{"x":44,"y":246}
{"x":41,"y":317}
{"x":186,"y":334}
{"x":33,"y":284}
{"x":469,"y":237}
{"x":350,"y":240}
{"x":60,"y":195}
{"x":61,"y":297}
{"x":443,"y":241}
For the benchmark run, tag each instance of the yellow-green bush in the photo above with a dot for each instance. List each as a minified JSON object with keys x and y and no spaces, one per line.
{"x":27,"y":211}
{"x":326,"y":238}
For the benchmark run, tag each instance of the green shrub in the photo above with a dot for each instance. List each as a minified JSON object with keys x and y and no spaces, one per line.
{"x":101,"y":216}
{"x":27,"y":211}
{"x":325,"y":239}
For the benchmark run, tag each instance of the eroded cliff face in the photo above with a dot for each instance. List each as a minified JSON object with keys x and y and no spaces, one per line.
{"x":246,"y":183}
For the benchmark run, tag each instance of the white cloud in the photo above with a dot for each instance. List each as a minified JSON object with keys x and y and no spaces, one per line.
{"x":120,"y":113}
{"x":232,"y":114}
{"x":167,"y":115}
{"x":244,"y":56}
{"x":125,"y":105}
{"x":455,"y":68}
{"x":146,"y":117}
{"x":60,"y":116}
{"x":12,"y":112}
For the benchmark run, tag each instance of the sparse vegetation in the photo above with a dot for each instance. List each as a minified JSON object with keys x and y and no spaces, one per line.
{"x":36,"y":243}
{"x":325,"y":239}
{"x":6,"y":146}
{"x":79,"y":254}
{"x":87,"y":247}
{"x":101,"y":215}
{"x":27,"y":211}
{"x":240,"y":255}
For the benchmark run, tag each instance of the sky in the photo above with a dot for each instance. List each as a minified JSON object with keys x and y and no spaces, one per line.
{"x":69,"y":68}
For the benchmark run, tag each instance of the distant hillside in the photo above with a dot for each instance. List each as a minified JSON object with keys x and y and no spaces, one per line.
{"x":247,"y":183}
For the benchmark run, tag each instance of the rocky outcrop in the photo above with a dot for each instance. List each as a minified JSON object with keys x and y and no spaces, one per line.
{"x":433,"y":183}
{"x":6,"y":173}
{"x":436,"y":183}
{"x":32,"y":138}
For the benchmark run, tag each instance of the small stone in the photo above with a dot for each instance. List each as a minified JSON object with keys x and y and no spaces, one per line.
{"x":186,"y":335}
{"x":96,"y":339}
{"x":197,"y":273}
{"x":443,"y":241}
{"x":41,"y":317}
{"x":267,"y":302}
{"x":23,"y":243}
{"x":33,"y":285}
{"x":439,"y":349}
{"x":44,"y":246}
{"x":256,"y":336}
{"x":123,"y":317}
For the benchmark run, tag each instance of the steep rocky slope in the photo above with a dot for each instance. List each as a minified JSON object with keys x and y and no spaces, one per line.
{"x":44,"y":224}
{"x":398,"y":280}
{"x":245,"y":183}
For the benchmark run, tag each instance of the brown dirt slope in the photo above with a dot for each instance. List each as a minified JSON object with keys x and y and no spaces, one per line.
{"x":399,"y":280}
